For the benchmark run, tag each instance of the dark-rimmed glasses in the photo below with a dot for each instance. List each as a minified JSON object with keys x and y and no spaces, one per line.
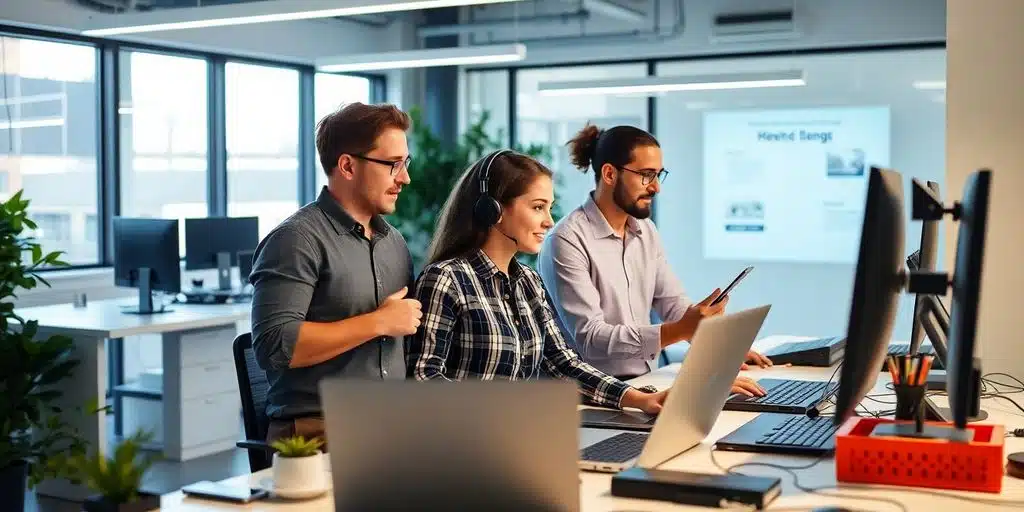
{"x":647,"y":176}
{"x":394,"y":164}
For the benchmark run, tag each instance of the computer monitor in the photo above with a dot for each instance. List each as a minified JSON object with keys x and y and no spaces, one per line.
{"x":876,"y":287}
{"x":245,"y":266}
{"x":214,"y":242}
{"x":146,"y":257}
{"x":966,"y":283}
{"x":925,"y":261}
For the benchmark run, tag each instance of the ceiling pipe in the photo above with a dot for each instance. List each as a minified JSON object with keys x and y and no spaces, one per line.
{"x":486,"y":25}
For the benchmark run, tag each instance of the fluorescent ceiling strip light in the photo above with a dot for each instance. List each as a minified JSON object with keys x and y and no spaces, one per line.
{"x":459,"y":56}
{"x":261,"y":12}
{"x":930,"y":85}
{"x":674,"y":83}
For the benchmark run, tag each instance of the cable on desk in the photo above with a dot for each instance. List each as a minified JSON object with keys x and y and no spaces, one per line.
{"x":1004,"y":397}
{"x":791,"y":470}
{"x":1020,"y":384}
{"x":890,"y":488}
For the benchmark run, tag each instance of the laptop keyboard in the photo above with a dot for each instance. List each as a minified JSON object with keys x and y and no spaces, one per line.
{"x":618,"y":448}
{"x":800,"y":431}
{"x":794,"y":392}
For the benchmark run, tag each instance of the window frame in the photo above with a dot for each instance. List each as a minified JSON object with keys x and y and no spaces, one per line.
{"x":108,"y":137}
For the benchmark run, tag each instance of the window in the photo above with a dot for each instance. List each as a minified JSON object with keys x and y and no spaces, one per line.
{"x":262,"y":142}
{"x":48,"y":138}
{"x":331,"y":92}
{"x":91,"y":228}
{"x":733,"y":164}
{"x":553,"y":120}
{"x":163,"y":116}
{"x":487,"y":93}
{"x":53,"y":226}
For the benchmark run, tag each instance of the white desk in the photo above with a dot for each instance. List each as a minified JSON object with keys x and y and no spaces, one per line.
{"x":200,"y":390}
{"x":595,"y":488}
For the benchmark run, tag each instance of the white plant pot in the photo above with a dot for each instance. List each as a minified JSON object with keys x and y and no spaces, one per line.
{"x":299,"y":477}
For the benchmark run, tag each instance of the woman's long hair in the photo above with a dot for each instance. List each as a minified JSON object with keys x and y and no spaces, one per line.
{"x":458,"y":232}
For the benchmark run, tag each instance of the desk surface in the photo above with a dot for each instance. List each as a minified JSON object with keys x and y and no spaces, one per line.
{"x":594,"y":489}
{"x":105,"y":318}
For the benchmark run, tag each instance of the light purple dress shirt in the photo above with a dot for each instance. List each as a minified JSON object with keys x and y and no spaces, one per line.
{"x":604,"y":289}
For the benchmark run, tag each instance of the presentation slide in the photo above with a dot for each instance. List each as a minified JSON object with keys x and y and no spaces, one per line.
{"x":789,"y":185}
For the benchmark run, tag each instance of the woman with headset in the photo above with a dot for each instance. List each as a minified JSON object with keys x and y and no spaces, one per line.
{"x":485,"y":315}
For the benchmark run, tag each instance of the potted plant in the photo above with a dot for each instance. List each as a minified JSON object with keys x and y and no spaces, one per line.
{"x":34,"y":441}
{"x":117,"y":479}
{"x":298,"y":467}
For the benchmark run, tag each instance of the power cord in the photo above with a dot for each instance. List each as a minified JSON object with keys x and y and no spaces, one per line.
{"x":791,"y":471}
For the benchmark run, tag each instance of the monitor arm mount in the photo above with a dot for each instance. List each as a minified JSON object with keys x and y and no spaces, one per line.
{"x":928,"y":206}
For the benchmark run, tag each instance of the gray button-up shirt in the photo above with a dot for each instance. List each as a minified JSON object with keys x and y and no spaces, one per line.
{"x":319,"y":266}
{"x":604,"y":288}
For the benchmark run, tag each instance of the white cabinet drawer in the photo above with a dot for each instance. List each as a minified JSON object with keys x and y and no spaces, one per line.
{"x":212,"y":418}
{"x":198,"y":347}
{"x":208,"y":379}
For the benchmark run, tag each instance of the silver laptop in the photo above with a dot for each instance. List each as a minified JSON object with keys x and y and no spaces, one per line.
{"x":470,"y":445}
{"x":701,"y":388}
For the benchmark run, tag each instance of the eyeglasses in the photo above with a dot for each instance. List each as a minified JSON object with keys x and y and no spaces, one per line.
{"x":394,"y":164}
{"x":648,"y":176}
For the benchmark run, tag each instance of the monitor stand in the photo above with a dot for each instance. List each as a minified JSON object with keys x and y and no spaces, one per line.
{"x":224,"y":271}
{"x":145,"y":306}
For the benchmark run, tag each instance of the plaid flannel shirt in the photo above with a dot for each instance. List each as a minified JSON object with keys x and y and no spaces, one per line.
{"x":479,"y":323}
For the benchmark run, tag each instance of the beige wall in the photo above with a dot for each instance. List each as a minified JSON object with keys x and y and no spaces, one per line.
{"x":984,"y":128}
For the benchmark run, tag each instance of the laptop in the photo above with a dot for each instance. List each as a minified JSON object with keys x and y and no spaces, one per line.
{"x":700,"y":389}
{"x":469,"y":445}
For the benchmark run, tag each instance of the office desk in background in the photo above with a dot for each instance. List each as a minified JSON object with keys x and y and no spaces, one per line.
{"x":595,"y":495}
{"x":200,"y":400}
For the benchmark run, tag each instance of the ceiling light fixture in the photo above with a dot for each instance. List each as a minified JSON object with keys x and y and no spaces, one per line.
{"x":459,"y":56}
{"x":260,"y":12}
{"x":674,"y":83}
{"x":930,"y":85}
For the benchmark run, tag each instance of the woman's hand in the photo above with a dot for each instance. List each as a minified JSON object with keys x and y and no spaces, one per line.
{"x":747,"y":386}
{"x":649,"y":403}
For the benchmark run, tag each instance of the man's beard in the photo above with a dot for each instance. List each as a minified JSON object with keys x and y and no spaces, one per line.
{"x":631,"y":206}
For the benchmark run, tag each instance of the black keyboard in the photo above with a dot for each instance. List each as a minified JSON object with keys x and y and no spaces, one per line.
{"x":795,"y":392}
{"x":900,"y":349}
{"x":800,"y":431}
{"x":618,"y":448}
{"x":821,"y":352}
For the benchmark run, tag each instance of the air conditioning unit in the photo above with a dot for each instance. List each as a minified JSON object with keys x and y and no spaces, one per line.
{"x":749,"y":27}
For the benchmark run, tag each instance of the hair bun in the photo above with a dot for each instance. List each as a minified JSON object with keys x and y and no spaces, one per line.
{"x":583,"y":146}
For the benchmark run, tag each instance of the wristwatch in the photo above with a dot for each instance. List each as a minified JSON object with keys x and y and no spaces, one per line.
{"x":648,"y":389}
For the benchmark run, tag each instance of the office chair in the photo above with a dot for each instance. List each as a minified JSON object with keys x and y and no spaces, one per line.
{"x":252,"y":386}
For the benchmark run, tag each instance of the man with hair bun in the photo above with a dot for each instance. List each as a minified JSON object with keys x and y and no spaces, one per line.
{"x":605,"y":268}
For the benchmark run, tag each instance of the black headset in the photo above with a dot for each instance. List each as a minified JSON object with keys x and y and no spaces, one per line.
{"x":487,"y":210}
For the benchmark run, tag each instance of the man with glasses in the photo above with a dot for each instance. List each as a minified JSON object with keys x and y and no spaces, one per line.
{"x":605,"y":268}
{"x":329,"y":283}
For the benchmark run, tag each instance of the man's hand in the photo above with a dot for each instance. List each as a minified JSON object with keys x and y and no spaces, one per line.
{"x":747,"y":386}
{"x":649,"y":403}
{"x":701,"y":310}
{"x":397,"y":315}
{"x":754,"y":357}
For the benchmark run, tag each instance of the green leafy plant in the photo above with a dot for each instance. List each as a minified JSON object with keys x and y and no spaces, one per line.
{"x":116,"y":478}
{"x":31,"y":429}
{"x":297,"y":446}
{"x":434,"y":171}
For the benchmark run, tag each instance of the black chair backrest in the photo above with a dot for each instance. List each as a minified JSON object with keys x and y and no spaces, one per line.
{"x":252,"y":386}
